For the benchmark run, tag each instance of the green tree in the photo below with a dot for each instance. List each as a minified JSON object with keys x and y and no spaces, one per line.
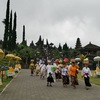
{"x":23,"y":40}
{"x":14,"y":35}
{"x":60,"y":48}
{"x":10,"y":33}
{"x":6,"y":23}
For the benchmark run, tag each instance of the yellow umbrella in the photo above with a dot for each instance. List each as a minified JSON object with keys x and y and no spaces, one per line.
{"x":1,"y":53}
{"x":9,"y":56}
{"x":17,"y":58}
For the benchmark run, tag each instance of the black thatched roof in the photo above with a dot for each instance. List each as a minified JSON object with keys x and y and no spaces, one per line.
{"x":91,"y":46}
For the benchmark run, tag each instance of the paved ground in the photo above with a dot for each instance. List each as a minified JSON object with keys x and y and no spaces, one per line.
{"x":26,"y":87}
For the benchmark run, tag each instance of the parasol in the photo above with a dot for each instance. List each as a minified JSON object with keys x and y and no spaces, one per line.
{"x":97,"y":58}
{"x":17,"y":58}
{"x":10,"y":56}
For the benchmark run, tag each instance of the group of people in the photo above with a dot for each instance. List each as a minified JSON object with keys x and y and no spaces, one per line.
{"x":61,"y":70}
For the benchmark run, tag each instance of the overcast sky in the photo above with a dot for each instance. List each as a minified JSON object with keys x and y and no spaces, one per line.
{"x":59,"y":21}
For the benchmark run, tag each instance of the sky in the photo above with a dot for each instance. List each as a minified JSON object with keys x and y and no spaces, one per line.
{"x":59,"y":21}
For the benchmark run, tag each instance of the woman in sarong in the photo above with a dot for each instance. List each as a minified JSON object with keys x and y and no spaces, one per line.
{"x":65,"y":77}
{"x":73,"y":72}
{"x":86,"y":73}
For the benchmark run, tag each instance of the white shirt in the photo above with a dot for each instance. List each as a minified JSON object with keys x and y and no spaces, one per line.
{"x":64,"y":71}
{"x":86,"y":72}
{"x":43,"y":67}
{"x":49,"y":69}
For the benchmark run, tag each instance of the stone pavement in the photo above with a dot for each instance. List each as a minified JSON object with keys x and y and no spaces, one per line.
{"x":26,"y":87}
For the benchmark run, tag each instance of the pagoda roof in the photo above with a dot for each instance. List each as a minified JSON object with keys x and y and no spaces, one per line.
{"x":91,"y":46}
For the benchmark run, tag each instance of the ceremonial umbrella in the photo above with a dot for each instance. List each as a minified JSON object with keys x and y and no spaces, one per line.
{"x":10,"y":57}
{"x":97,"y":58}
{"x":17,"y":58}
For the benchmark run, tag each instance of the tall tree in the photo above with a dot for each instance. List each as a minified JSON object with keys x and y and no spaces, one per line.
{"x":60,"y":48}
{"x":10,"y":33}
{"x":23,"y":33}
{"x":6,"y":22}
{"x":23,"y":40}
{"x":14,"y":35}
{"x":47,"y":43}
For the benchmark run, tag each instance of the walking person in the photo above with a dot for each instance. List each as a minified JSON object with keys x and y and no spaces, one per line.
{"x":49,"y":72}
{"x":65,"y":77}
{"x":32,"y":67}
{"x":58,"y":70}
{"x":42,"y":70}
{"x":86,"y":73}
{"x":73,"y":70}
{"x":37,"y":68}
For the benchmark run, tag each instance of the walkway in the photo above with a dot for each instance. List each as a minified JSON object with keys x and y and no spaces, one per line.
{"x":26,"y":87}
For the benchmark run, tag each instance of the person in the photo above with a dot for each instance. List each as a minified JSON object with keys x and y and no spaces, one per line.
{"x":65,"y":77}
{"x":97,"y":71}
{"x":73,"y":70}
{"x":37,"y":68}
{"x":50,"y":79}
{"x":57,"y":71}
{"x":42,"y":70}
{"x":32,"y":67}
{"x":86,"y":73}
{"x":49,"y":72}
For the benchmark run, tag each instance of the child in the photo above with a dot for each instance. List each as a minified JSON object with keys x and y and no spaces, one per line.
{"x":49,"y":73}
{"x":50,"y":80}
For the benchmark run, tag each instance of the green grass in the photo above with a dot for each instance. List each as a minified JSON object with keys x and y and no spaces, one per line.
{"x":5,"y":82}
{"x":93,"y":79}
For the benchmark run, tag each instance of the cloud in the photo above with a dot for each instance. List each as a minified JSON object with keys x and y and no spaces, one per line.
{"x":59,"y":21}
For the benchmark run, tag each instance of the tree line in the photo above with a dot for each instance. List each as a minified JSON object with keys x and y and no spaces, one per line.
{"x":10,"y":37}
{"x":9,"y":41}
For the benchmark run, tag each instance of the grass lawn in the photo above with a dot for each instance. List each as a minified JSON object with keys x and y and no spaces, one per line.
{"x":93,"y":79}
{"x":5,"y":82}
